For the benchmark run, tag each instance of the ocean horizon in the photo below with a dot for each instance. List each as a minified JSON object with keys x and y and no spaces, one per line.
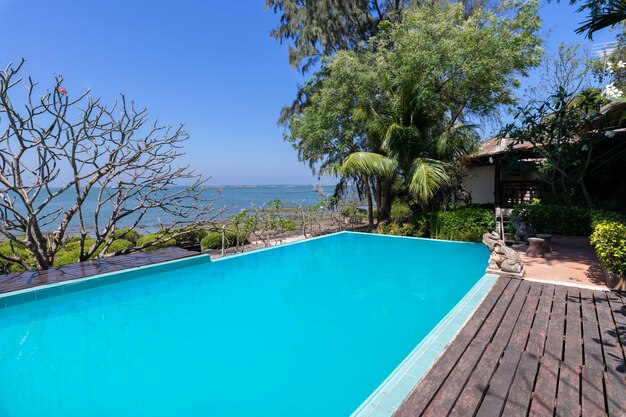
{"x":230,"y":201}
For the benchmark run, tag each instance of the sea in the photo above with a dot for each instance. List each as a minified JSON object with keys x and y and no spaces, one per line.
{"x":224,"y":201}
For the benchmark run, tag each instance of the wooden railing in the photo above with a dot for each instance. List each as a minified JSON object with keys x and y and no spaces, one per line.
{"x":517,"y":192}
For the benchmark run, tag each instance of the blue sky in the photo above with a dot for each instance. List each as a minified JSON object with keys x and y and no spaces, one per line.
{"x":211,"y":65}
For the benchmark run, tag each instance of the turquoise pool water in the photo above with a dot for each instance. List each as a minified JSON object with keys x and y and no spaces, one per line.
{"x":308,"y":329}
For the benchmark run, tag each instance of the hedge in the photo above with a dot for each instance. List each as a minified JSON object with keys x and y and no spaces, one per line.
{"x":464,"y":224}
{"x":609,"y":241}
{"x":564,"y":220}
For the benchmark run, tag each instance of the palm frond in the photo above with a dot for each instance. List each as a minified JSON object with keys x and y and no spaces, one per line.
{"x":611,"y":14}
{"x":458,"y":141}
{"x":400,"y":142}
{"x":370,"y":164}
{"x":427,"y":176}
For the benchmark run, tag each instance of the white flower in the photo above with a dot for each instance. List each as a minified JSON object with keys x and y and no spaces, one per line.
{"x":611,"y":92}
{"x":609,"y":67}
{"x":621,"y":64}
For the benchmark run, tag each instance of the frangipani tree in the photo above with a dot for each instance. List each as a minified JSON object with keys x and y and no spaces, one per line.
{"x":70,"y":163}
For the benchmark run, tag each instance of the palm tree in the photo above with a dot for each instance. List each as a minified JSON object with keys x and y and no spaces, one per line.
{"x":414,"y":141}
{"x":602,"y":14}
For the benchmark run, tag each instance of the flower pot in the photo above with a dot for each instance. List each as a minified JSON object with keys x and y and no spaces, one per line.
{"x":615,"y":282}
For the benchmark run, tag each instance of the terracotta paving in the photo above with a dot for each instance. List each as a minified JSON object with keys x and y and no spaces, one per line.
{"x":30,"y":279}
{"x":572,"y":261}
{"x":531,"y":349}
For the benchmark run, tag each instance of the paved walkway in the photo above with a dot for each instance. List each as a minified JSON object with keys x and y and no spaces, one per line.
{"x":572,"y":261}
{"x":531,"y":349}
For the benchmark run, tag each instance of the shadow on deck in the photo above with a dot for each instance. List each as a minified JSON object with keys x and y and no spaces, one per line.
{"x":531,"y":349}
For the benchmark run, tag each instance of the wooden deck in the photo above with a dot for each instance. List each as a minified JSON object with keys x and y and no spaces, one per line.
{"x":531,"y":349}
{"x":30,"y":279}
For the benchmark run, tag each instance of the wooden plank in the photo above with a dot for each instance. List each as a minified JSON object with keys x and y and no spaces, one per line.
{"x":522,"y":327}
{"x":450,"y":390}
{"x":592,"y":393}
{"x":567,"y":397}
{"x":544,"y":396}
{"x":556,"y":327}
{"x":615,"y":393}
{"x":593,"y":357}
{"x":518,"y":402}
{"x":472,"y":393}
{"x":498,"y":391}
{"x":477,"y":384}
{"x":445,"y":399}
{"x":421,"y":396}
{"x":618,"y":309}
{"x":613,"y":353}
{"x":492,"y":322}
{"x":573,"y":354}
{"x":537,"y":338}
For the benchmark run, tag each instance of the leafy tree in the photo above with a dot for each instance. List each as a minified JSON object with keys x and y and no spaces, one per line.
{"x":109,"y":162}
{"x":564,"y":130}
{"x":318,"y":28}
{"x":401,"y":107}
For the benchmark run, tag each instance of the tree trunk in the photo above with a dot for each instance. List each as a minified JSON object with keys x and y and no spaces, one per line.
{"x":370,"y":205}
{"x":379,"y":204}
{"x":387,"y":199}
{"x":588,"y":198}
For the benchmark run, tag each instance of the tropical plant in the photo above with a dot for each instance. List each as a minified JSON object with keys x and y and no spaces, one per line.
{"x":601,"y":14}
{"x":609,"y":241}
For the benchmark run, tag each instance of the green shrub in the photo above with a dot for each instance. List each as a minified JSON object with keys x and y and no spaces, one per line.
{"x":400,"y":212}
{"x":9,"y":249}
{"x":68,"y":254}
{"x":609,"y":241}
{"x":127,"y":234}
{"x":119,"y":245}
{"x":597,"y":216}
{"x":396,"y":229}
{"x":165,"y":241}
{"x":189,"y":237}
{"x":564,"y":220}
{"x":555,"y":219}
{"x":288,"y":225}
{"x":464,"y":224}
{"x":212,"y":240}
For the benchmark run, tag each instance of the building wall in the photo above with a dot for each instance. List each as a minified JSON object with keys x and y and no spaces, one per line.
{"x":480,"y":182}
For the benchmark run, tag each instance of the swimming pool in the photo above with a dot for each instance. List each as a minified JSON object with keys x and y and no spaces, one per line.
{"x":306,"y":329}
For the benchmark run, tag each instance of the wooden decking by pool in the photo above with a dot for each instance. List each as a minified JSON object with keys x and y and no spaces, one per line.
{"x":31,"y":279}
{"x":531,"y":349}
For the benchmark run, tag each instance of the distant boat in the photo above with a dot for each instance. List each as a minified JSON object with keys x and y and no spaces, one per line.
{"x":318,"y":189}
{"x":219,"y":190}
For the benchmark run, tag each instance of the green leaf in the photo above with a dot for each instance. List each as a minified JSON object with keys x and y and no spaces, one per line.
{"x":427,"y":176}
{"x":370,"y":164}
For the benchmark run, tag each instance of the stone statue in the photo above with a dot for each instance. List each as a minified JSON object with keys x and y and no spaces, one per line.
{"x":522,"y":230}
{"x":503,"y":260}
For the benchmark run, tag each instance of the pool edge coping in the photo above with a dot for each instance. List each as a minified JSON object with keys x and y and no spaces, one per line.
{"x":87,"y":279}
{"x":388,"y":396}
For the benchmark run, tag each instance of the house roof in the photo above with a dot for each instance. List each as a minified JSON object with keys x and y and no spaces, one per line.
{"x":614,"y":120}
{"x":498,"y":146}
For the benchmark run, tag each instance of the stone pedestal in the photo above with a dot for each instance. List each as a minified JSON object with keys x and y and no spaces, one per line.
{"x":535,"y":247}
{"x":546,"y":242}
